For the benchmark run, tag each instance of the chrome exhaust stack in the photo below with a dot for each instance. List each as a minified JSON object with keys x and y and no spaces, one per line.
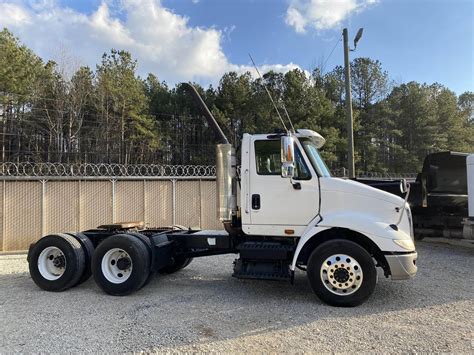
{"x":225,"y":163}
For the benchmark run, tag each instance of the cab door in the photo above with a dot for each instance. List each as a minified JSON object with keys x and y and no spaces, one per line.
{"x":279,"y":206}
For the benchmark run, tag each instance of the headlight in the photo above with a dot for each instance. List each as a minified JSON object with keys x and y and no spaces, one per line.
{"x":405,"y":243}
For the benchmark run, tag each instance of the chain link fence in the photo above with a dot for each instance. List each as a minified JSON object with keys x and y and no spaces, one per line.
{"x":30,"y":209}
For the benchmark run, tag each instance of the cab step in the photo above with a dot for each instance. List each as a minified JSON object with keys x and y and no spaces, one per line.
{"x":259,"y":269}
{"x":265,"y":250}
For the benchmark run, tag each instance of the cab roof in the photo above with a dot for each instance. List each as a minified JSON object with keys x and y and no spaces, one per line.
{"x":314,"y":136}
{"x":300,"y":133}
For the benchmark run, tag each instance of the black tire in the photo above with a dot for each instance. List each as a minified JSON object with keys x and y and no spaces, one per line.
{"x":179,"y":263}
{"x":88,"y":253}
{"x":145,"y":240}
{"x":140,"y":264}
{"x":74,"y":262}
{"x":353,"y":250}
{"x":148,"y":279}
{"x":149,"y":246}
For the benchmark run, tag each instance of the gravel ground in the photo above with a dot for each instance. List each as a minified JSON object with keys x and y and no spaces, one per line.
{"x":202,"y":308}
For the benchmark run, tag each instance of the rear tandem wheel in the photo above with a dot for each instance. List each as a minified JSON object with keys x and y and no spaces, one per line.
{"x":56,"y":262}
{"x":121,"y":264}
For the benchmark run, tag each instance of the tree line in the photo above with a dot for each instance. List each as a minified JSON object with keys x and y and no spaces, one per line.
{"x":112,"y":115}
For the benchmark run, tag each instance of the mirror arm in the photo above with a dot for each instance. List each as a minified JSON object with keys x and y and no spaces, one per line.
{"x":296,"y":185}
{"x":403,"y":206}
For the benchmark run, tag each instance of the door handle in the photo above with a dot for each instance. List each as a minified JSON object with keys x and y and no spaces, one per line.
{"x":255,"y":201}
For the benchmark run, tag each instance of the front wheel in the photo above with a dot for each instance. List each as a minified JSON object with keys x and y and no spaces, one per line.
{"x":341,"y":273}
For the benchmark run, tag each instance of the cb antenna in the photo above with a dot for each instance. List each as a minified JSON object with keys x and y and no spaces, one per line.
{"x":288,"y":116}
{"x":269,"y":95}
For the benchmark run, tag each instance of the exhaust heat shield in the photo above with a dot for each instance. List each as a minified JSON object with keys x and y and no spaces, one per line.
{"x":225,"y":178}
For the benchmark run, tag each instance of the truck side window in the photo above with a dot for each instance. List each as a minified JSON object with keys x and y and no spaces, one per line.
{"x":268,"y":159}
{"x":301,"y":169}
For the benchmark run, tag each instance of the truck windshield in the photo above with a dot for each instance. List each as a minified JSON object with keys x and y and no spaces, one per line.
{"x":313,"y":155}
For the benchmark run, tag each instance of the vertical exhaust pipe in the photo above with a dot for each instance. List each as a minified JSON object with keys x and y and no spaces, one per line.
{"x":225,"y":162}
{"x":205,"y":110}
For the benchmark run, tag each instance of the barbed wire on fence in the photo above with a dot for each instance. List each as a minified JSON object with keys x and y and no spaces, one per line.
{"x":104,"y":170}
{"x":11,"y":169}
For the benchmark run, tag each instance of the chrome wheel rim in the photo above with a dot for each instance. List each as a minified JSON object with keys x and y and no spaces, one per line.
{"x":116,"y":265}
{"x":341,"y":274}
{"x":51,"y":263}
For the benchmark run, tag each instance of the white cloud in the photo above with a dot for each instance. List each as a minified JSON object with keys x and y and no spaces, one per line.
{"x":162,"y":41}
{"x":296,"y":19}
{"x":11,"y":14}
{"x":322,"y":14}
{"x":264,"y":68}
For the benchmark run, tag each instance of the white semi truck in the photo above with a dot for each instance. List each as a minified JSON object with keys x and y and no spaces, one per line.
{"x":291,"y":214}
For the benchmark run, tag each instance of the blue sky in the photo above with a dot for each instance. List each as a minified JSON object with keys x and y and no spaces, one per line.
{"x":426,"y":41}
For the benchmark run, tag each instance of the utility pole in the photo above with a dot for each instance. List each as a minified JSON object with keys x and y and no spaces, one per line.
{"x":350,"y":124}
{"x":350,"y":121}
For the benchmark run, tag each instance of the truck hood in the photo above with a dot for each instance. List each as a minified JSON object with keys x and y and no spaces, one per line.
{"x":347,"y":186}
{"x":362,"y":208}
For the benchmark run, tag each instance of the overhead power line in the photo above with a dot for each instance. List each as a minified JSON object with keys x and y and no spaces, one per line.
{"x":330,"y":54}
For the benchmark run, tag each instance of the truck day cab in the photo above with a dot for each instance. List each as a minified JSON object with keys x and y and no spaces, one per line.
{"x":290,"y":213}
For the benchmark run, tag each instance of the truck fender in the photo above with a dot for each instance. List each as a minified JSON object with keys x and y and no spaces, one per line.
{"x":379,"y":233}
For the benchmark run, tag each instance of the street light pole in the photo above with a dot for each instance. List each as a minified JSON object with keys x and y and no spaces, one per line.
{"x":350,"y":124}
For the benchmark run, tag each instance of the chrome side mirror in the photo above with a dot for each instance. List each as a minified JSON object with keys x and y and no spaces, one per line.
{"x":287,"y":156}
{"x":287,"y":170}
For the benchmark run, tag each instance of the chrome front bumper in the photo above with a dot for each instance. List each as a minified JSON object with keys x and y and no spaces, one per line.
{"x":402,"y":266}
